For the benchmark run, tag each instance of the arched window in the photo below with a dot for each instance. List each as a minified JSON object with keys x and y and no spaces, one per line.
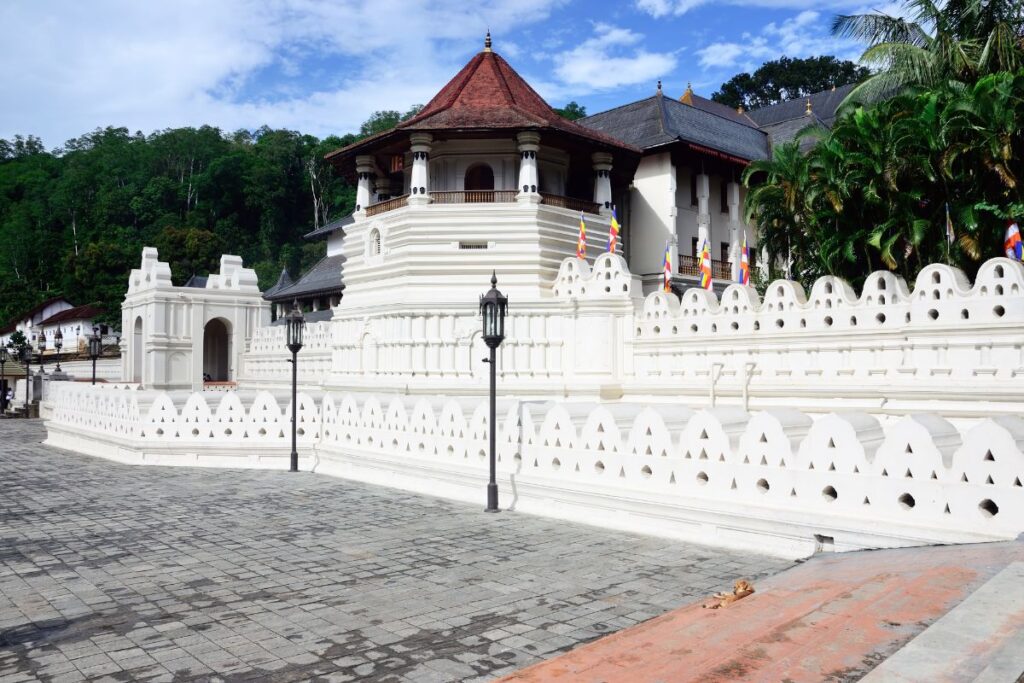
{"x":374,"y":242}
{"x":479,"y":177}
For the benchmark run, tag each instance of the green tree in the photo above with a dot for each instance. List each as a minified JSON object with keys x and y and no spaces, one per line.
{"x":572,"y":111}
{"x":954,"y":42}
{"x":787,"y":78}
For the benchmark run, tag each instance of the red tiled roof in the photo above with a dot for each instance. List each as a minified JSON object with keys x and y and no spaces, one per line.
{"x":488,"y":94}
{"x":86,"y":312}
{"x":13,"y":324}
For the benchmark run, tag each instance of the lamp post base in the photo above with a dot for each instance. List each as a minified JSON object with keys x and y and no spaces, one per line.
{"x":492,"y":498}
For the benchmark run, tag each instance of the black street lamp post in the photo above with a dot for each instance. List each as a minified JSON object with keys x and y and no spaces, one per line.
{"x":493,"y":307}
{"x":3,"y":376}
{"x":296,"y":323}
{"x":41,"y":346}
{"x":58,"y":343}
{"x":95,"y":349}
{"x":26,"y":355}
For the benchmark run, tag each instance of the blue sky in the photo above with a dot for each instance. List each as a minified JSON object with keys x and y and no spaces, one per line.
{"x":322,"y":66}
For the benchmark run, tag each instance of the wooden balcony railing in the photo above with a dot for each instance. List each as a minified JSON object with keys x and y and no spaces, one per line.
{"x":387,"y":205}
{"x":473,"y":197}
{"x":570,"y":203}
{"x":690,"y":265}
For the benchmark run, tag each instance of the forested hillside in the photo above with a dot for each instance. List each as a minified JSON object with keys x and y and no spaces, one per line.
{"x":73,"y":220}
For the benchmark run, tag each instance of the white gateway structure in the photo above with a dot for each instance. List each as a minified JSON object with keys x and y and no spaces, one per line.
{"x":798,"y":421}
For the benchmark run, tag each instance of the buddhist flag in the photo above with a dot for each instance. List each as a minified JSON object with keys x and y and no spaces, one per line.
{"x":581,"y":241}
{"x":613,"y":233}
{"x":744,"y":262}
{"x":949,"y":226}
{"x":667,"y":268}
{"x":705,"y":266}
{"x":1012,"y":244}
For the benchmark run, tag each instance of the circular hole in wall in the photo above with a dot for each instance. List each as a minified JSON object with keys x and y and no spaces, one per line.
{"x":933,"y":314}
{"x":195,"y":432}
{"x":714,"y":327}
{"x":907,"y":501}
{"x":828,"y":321}
{"x":735,"y":326}
{"x":965,"y":314}
{"x":780,"y":323}
{"x":675,"y":330}
{"x":646,"y":472}
{"x":999,"y":311}
{"x":988,"y":508}
{"x":657,"y":329}
{"x":853,"y":321}
{"x":880,"y":318}
{"x":762,"y":485}
{"x":693,"y":328}
{"x":803,"y":322}
{"x":702,"y":478}
{"x":599,"y":467}
{"x":757,"y":326}
{"x":829,"y":494}
{"x":556,"y":463}
{"x":300,"y":431}
{"x":481,"y":454}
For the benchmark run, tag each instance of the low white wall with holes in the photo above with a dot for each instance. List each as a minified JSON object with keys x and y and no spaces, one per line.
{"x":891,"y":349}
{"x":778,"y":480}
{"x":266,"y":359}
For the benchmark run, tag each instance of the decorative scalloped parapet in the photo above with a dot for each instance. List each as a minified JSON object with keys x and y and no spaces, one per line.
{"x":151,"y":273}
{"x":609,"y":278}
{"x":233,"y":276}
{"x":942,"y":295}
{"x":918,"y":479}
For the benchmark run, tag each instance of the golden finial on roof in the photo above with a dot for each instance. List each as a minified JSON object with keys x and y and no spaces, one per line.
{"x":687,"y":97}
{"x":807,"y":111}
{"x":487,"y":41}
{"x":659,"y":86}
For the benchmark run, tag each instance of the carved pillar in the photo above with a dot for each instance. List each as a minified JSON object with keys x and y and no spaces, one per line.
{"x":365,"y":174}
{"x":419,"y":190}
{"x":735,"y":229}
{"x":602,"y":180}
{"x":382,"y":188}
{"x":529,"y":182}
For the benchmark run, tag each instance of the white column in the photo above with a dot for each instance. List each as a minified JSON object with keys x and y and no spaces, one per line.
{"x":703,"y":215}
{"x":419,"y":190}
{"x":602,"y":181}
{"x":364,"y":173}
{"x":529,"y":183}
{"x":382,"y":188}
{"x":735,"y":229}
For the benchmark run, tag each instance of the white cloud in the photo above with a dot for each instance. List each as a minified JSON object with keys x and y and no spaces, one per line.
{"x":67,"y":67}
{"x":660,"y":8}
{"x":802,"y":35}
{"x":611,"y":58}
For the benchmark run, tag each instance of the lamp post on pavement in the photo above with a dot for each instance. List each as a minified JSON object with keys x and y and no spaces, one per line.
{"x":3,"y":378}
{"x":493,"y":307}
{"x":26,"y":355}
{"x":296,"y":323}
{"x":58,"y":343}
{"x":40,"y":338}
{"x":95,"y":349}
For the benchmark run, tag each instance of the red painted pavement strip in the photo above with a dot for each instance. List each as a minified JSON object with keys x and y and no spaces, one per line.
{"x":834,"y":617}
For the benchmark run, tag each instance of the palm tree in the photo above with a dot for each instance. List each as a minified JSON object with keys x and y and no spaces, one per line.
{"x":776,"y":202}
{"x":954,"y":42}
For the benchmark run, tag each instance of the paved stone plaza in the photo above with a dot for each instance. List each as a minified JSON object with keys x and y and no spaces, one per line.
{"x":118,"y":572}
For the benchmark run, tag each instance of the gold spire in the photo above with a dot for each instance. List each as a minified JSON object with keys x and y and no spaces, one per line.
{"x":487,"y":41}
{"x":659,"y":86}
{"x":807,"y":111}
{"x":687,"y":97}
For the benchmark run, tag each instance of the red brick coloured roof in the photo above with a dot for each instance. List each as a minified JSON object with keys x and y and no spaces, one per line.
{"x":488,"y":94}
{"x":86,"y":312}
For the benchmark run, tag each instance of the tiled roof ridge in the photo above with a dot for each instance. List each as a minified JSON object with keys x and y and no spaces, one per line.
{"x":659,"y":102}
{"x":712,"y":112}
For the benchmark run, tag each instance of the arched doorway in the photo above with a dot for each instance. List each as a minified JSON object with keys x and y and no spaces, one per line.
{"x":479,"y":180}
{"x":137,"y":351}
{"x":216,"y":351}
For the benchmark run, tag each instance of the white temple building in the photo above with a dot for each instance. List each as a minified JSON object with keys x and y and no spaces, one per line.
{"x":790,"y":423}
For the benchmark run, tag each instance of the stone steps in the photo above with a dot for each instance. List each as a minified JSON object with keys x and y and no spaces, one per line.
{"x":981,"y":639}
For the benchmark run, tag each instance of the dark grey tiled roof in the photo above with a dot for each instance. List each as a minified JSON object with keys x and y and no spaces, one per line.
{"x":284,"y":280}
{"x":661,"y":120}
{"x":786,"y":131}
{"x":325,"y":230}
{"x":323,"y":278}
{"x":824,"y":105}
{"x":310,"y":316}
{"x":197,"y":281}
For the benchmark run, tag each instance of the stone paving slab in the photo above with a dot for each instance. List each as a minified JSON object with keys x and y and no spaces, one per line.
{"x":119,"y":572}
